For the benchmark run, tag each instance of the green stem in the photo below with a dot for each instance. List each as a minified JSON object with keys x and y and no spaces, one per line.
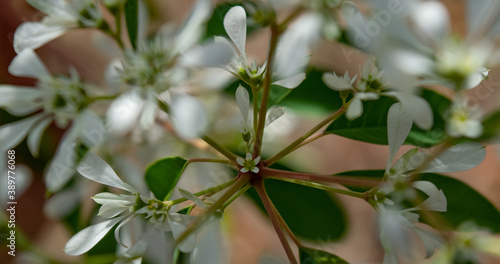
{"x":214,"y":189}
{"x":222,"y":150}
{"x":325,"y":187}
{"x":275,"y":32}
{"x":348,"y":180}
{"x":307,"y":141}
{"x":273,"y":215}
{"x":238,"y":194}
{"x":298,"y":141}
{"x":213,"y":208}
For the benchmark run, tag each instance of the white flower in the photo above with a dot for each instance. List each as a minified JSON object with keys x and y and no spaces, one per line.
{"x":465,"y":244}
{"x":463,"y":121}
{"x":248,"y":164}
{"x":160,"y":68}
{"x":61,"y":16}
{"x":58,"y":99}
{"x":417,"y":42}
{"x":235,"y":24}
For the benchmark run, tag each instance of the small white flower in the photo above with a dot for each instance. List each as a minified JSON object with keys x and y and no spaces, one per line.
{"x":248,"y":164}
{"x":463,"y":122}
{"x":235,"y":24}
{"x":159,"y":68}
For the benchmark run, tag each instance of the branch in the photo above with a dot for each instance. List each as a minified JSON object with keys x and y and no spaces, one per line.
{"x":350,"y":181}
{"x":259,"y":187}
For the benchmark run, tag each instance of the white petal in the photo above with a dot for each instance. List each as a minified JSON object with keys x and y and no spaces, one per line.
{"x":366,"y":96}
{"x":410,"y":62}
{"x":293,"y":53}
{"x":244,"y":170}
{"x":240,"y":161}
{"x":105,"y":197}
{"x":178,"y":223}
{"x":51,"y":7}
{"x":243,"y":100}
{"x":431,"y":19}
{"x":274,"y":114}
{"x":123,"y":113}
{"x":430,"y":240}
{"x":118,"y":228}
{"x":235,"y":23}
{"x":32,"y":35}
{"x":212,"y":54}
{"x":148,"y":114}
{"x":335,"y":82}
{"x":96,"y":169}
{"x":398,"y":127}
{"x":291,"y":82}
{"x":192,"y":30}
{"x":36,"y":134}
{"x":87,"y":238}
{"x":255,"y":170}
{"x":257,"y":160}
{"x":28,"y":64}
{"x":188,"y":195}
{"x":189,"y":117}
{"x":209,"y":247}
{"x":418,"y":108}
{"x":463,"y":156}
{"x":62,"y":203}
{"x":13,"y":133}
{"x":20,"y":100}
{"x":355,"y":109}
{"x":248,"y":156}
{"x":110,"y":210}
{"x":62,"y":166}
{"x":436,"y":201}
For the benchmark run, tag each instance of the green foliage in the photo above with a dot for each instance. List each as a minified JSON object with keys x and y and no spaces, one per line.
{"x":371,"y":127}
{"x":310,"y":213}
{"x":314,"y":256}
{"x":162,"y":176}
{"x":491,"y":126}
{"x":464,"y":203}
{"x":131,"y":19}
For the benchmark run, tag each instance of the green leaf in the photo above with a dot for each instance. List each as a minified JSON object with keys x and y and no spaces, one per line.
{"x":312,"y":96}
{"x":464,"y":203}
{"x":310,"y":213}
{"x":131,"y":19}
{"x":491,"y":126}
{"x":162,"y":176}
{"x":314,"y":256}
{"x":371,"y":127}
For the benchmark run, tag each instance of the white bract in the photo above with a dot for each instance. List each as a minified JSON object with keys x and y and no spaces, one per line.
{"x":61,"y":16}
